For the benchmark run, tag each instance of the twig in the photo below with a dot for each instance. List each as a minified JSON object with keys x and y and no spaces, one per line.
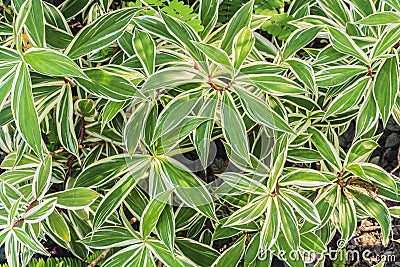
{"x":99,"y":258}
{"x":58,"y":151}
{"x":70,"y":163}
{"x":215,"y":87}
{"x":83,"y":130}
{"x":368,"y":228}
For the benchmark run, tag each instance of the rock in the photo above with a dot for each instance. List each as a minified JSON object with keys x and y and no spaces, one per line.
{"x":392,"y":140}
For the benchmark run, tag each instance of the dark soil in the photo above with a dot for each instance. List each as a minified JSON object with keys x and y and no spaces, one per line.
{"x":368,"y":239}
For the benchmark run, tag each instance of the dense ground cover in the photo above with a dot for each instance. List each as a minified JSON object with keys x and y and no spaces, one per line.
{"x":201,"y":133}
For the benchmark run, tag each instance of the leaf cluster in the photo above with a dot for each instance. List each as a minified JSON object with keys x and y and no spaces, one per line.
{"x":113,"y":123}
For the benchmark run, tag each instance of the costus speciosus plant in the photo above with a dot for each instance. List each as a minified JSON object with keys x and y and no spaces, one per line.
{"x":150,"y":132}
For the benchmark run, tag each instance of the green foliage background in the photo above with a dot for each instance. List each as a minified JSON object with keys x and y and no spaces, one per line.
{"x":100,"y":102}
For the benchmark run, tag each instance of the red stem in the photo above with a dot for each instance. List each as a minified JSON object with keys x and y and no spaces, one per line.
{"x":30,"y":206}
{"x":276,"y":190}
{"x":339,"y":181}
{"x":215,"y":87}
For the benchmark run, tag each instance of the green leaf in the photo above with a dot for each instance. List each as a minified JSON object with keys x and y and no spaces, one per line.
{"x":253,"y":250}
{"x":349,"y":98}
{"x":8,"y":55}
{"x":232,"y":255}
{"x":49,"y":62}
{"x":29,"y":241}
{"x":276,"y":85}
{"x":325,"y":147}
{"x":347,"y":217}
{"x":343,"y":43}
{"x":337,"y":10}
{"x":367,"y":116}
{"x":233,"y":127}
{"x":185,"y":34}
{"x":298,"y":39}
{"x":278,"y":159}
{"x":110,"y":111}
{"x":248,"y":213}
{"x":58,"y":226}
{"x":188,"y":187}
{"x":199,"y":253}
{"x":303,"y":155}
{"x":388,"y":39}
{"x":337,"y":75}
{"x":172,"y":77}
{"x":108,"y":237}
{"x":145,"y":49}
{"x":328,"y":55}
{"x":360,"y":151}
{"x":376,"y":209}
{"x":240,"y":20}
{"x":133,"y":130}
{"x":56,"y":38}
{"x":71,"y":8}
{"x":175,"y":113}
{"x":11,"y":245}
{"x":155,"y":26}
{"x":394,"y":3}
{"x":35,"y":24}
{"x":100,"y":33}
{"x":115,"y":196}
{"x":24,"y":110}
{"x":172,"y":139}
{"x":374,"y":174}
{"x":311,"y":242}
{"x":208,"y":15}
{"x":107,"y":169}
{"x":326,"y":202}
{"x":271,"y":227}
{"x":213,"y":53}
{"x":162,"y":253}
{"x":395,"y":211}
{"x":23,"y":9}
{"x":42,"y":178}
{"x":386,"y":87}
{"x":6,"y":115}
{"x":74,"y":198}
{"x":380,"y":18}
{"x":3,"y":236}
{"x":289,"y":225}
{"x":166,"y":227}
{"x":203,"y":133}
{"x":242,"y":46}
{"x":41,"y":211}
{"x":302,"y":205}
{"x":129,"y":255}
{"x":304,"y":72}
{"x":364,"y":7}
{"x":65,"y":123}
{"x":243,"y":183}
{"x":108,"y":85}
{"x":152,"y":212}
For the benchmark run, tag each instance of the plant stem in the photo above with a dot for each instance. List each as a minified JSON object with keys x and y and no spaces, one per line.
{"x":99,"y":258}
